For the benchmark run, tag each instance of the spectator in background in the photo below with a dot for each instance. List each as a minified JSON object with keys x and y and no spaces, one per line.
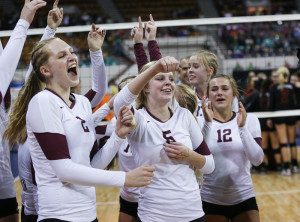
{"x":183,"y":72}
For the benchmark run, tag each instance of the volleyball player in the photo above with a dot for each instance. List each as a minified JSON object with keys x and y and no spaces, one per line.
{"x":8,"y":63}
{"x":16,"y":134}
{"x":165,"y":199}
{"x":268,"y":133}
{"x":202,"y":66}
{"x":61,"y":135}
{"x":235,"y":142}
{"x":282,"y":97}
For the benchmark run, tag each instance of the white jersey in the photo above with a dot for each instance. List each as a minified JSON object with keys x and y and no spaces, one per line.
{"x":199,"y":112}
{"x":8,"y":63}
{"x":63,"y":173}
{"x":127,"y":163}
{"x":231,"y":183}
{"x":173,"y":194}
{"x":26,"y":175}
{"x":95,"y":95}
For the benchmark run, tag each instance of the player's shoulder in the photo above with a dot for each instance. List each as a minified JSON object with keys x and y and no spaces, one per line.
{"x":251,"y":117}
{"x":42,"y":97}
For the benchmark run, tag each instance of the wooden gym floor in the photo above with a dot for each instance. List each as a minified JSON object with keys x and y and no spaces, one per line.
{"x":278,"y":198}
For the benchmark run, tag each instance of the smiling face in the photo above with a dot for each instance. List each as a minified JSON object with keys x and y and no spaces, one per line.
{"x":160,"y":88}
{"x":197,"y":73}
{"x":220,"y":94}
{"x":61,"y":69}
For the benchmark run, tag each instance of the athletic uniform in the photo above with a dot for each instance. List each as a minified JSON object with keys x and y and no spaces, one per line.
{"x":173,"y":194}
{"x":233,"y":148}
{"x":95,"y":95}
{"x":283,"y":100}
{"x":8,"y":63}
{"x":199,"y":112}
{"x":60,"y":140}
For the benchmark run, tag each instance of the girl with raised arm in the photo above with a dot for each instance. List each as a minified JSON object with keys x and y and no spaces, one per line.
{"x":158,"y":140}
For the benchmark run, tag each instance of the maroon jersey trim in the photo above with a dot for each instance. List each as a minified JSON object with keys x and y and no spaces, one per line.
{"x":54,"y":145}
{"x":203,"y":149}
{"x":171,"y":114}
{"x":94,"y":150}
{"x":32,"y":174}
{"x":233,"y":116}
{"x":73,"y":102}
{"x":100,"y":130}
{"x":258,"y":140}
{"x":1,"y":97}
{"x":90,"y":95}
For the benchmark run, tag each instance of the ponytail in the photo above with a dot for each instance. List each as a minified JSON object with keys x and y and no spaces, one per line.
{"x":16,"y":130}
{"x":283,"y":74}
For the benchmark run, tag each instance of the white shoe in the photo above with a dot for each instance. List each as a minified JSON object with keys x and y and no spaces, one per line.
{"x":295,"y":169}
{"x":286,"y":172}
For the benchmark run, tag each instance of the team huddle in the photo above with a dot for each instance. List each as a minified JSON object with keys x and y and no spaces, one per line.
{"x":164,"y":133}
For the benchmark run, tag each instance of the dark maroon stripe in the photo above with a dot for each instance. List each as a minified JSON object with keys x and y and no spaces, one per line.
{"x":54,"y":145}
{"x":101,"y":130}
{"x":94,"y":150}
{"x":7,"y":99}
{"x":132,"y":110}
{"x":73,"y":97}
{"x":203,"y":149}
{"x":1,"y":97}
{"x":154,"y":117}
{"x":90,"y":95}
{"x":32,"y":174}
{"x":258,"y":140}
{"x":233,"y":116}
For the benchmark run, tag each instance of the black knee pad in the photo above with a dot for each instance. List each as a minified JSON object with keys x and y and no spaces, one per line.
{"x":277,"y":150}
{"x":292,"y":144}
{"x":284,"y":145}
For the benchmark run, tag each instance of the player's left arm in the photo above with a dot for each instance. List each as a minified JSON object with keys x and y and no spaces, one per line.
{"x":124,"y":125}
{"x":99,"y":80}
{"x":250,"y":133}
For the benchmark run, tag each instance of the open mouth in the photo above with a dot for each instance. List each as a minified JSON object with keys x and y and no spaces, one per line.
{"x":73,"y":71}
{"x":220,"y":100}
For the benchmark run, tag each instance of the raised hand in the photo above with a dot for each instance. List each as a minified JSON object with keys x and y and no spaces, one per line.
{"x":125,"y":122}
{"x":29,"y":9}
{"x":137,"y":32}
{"x":140,"y":176}
{"x":177,"y":151}
{"x":55,"y":16}
{"x":166,"y":64}
{"x":241,"y":119}
{"x":96,"y":38}
{"x":207,"y":111}
{"x":150,"y":29}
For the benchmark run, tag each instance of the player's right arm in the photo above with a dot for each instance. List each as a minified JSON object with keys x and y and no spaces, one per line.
{"x":11,"y":54}
{"x":44,"y":121}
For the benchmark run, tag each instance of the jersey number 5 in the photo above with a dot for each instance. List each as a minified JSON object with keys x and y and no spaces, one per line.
{"x":226,"y":136}
{"x":169,"y":139}
{"x":85,"y":128}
